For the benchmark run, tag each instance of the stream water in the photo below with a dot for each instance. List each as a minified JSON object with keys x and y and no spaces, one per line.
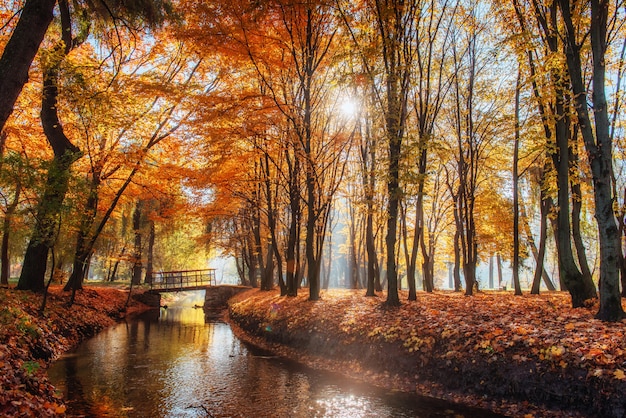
{"x":174,"y":363}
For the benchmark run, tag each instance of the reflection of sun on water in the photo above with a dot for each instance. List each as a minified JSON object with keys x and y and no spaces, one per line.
{"x":347,"y":406}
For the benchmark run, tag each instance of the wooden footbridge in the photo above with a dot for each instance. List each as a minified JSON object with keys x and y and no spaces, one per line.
{"x":176,"y":281}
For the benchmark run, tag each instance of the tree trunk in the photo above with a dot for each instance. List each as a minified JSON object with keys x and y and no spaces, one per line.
{"x":577,"y":204}
{"x":65,"y":154}
{"x":457,"y":251}
{"x":6,"y":230}
{"x":20,"y":51}
{"x":267,"y":280}
{"x":427,"y":263}
{"x":538,"y":254}
{"x":599,"y":149}
{"x":370,"y":248}
{"x":138,"y":247}
{"x":83,"y":248}
{"x":490,"y":284}
{"x":516,"y":283}
{"x":393,"y":192}
{"x":294,"y":222}
{"x":622,"y":232}
{"x":150,"y":256}
{"x":499,"y":262}
{"x":113,"y":275}
{"x":579,"y":287}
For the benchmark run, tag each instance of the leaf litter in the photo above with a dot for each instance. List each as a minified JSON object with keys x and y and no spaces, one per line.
{"x":532,"y":355}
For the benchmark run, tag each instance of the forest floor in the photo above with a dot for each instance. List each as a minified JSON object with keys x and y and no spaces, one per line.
{"x":29,"y":341}
{"x":528,"y":356}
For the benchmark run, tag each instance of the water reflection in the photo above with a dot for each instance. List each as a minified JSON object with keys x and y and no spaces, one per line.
{"x":176,"y":365}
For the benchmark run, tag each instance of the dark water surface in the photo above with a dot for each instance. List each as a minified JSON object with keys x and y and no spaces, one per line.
{"x":173,"y":363}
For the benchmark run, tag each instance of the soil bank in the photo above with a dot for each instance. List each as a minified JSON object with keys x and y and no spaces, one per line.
{"x":30,"y":340}
{"x":518,"y":356}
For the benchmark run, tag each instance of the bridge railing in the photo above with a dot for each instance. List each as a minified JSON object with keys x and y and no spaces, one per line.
{"x":182,"y":279}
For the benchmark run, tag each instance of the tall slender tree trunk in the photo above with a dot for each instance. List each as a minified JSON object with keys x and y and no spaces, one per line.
{"x":113,"y":275}
{"x":6,"y":232}
{"x":150,"y":253}
{"x":457,"y":249}
{"x":516,"y":283}
{"x":83,"y":249}
{"x":427,"y":262}
{"x":292,"y":242}
{"x":577,"y":204}
{"x":373,"y":271}
{"x":372,"y":257}
{"x":138,"y":246}
{"x":538,"y":254}
{"x":499,"y":263}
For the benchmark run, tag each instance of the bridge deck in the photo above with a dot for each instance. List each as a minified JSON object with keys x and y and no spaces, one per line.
{"x":174,"y":281}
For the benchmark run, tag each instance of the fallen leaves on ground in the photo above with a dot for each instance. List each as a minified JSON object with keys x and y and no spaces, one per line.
{"x":30,"y":340}
{"x":532,"y":354}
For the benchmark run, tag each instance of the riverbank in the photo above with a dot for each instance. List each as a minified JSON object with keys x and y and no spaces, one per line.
{"x":518,"y":356}
{"x":29,"y":341}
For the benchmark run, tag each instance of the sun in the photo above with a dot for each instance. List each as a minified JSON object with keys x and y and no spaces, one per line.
{"x":349,"y":107}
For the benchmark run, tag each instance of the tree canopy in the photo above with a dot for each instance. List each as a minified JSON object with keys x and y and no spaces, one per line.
{"x":420,"y":144}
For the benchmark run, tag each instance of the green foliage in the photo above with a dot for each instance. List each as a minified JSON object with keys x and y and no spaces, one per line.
{"x":20,"y":320}
{"x":30,"y":367}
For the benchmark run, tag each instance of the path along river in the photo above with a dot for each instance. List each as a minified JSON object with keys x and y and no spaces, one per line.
{"x":174,"y":363}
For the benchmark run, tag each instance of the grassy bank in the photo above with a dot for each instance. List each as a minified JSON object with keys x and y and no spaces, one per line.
{"x":520,"y":356}
{"x":29,"y":340}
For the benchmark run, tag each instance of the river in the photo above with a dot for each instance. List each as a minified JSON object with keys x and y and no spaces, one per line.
{"x":175,"y":363}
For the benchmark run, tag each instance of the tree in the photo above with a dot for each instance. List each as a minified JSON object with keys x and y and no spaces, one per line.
{"x":595,"y":133}
{"x":431,"y":84}
{"x":165,"y":115}
{"x":294,"y":75}
{"x":515,"y":264}
{"x":476,"y":119}
{"x":553,"y":105}
{"x":20,"y":51}
{"x":65,"y":154}
{"x":394,"y":23}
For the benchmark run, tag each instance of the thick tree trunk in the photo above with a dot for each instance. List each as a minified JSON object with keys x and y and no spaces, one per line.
{"x":65,"y":154}
{"x":49,"y":208}
{"x":20,"y":51}
{"x":580,"y":288}
{"x":599,"y":149}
